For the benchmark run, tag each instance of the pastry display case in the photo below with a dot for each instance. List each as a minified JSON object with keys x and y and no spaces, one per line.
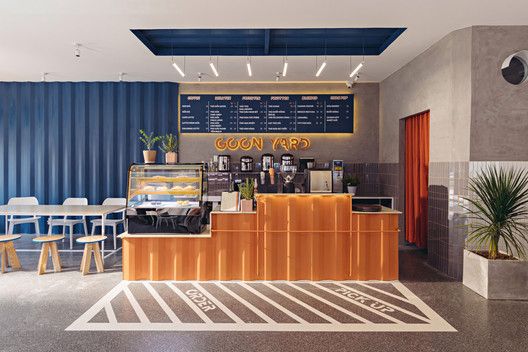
{"x":165,"y":199}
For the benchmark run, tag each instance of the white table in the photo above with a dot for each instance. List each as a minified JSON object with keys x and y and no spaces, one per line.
{"x":62,"y":210}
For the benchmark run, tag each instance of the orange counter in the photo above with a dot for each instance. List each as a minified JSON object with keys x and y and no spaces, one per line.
{"x":289,"y":237}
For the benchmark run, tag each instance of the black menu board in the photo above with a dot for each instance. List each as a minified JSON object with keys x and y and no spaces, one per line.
{"x":321,"y":113}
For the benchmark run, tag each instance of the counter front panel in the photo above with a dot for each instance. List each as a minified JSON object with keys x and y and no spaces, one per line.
{"x":289,"y":237}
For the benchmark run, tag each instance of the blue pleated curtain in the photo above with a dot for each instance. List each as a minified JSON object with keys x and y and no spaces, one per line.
{"x":77,"y":139}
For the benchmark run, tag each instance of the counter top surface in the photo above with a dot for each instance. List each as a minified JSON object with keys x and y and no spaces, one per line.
{"x":205,"y":234}
{"x":304,"y":194}
{"x":384,"y":210}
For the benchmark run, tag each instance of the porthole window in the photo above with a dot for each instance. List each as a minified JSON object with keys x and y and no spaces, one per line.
{"x":515,"y":67}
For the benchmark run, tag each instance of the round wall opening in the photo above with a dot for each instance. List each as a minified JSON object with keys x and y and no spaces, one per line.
{"x":515,"y":67}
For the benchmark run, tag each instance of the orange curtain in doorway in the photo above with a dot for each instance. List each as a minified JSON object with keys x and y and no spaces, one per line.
{"x":416,"y":178}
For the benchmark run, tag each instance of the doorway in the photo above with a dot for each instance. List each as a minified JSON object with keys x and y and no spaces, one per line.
{"x":416,"y":178}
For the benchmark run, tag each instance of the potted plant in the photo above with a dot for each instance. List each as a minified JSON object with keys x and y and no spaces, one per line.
{"x":351,"y":182}
{"x":246,"y":192}
{"x":497,"y":215}
{"x":149,"y":140}
{"x":169,"y":145}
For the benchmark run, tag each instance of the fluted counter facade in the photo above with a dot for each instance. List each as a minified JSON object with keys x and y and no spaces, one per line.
{"x":289,"y":237}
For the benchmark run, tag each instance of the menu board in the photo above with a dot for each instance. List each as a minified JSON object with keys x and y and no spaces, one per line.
{"x":321,"y":113}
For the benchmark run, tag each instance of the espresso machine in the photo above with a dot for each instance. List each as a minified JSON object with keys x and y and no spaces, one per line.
{"x":338,"y":169}
{"x":267,"y":161}
{"x":246,"y":164}
{"x":287,"y":163}
{"x":224,"y":163}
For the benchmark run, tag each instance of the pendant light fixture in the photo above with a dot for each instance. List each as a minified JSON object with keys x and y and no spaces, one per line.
{"x":177,"y":68}
{"x":212,"y":65}
{"x":321,"y":68}
{"x":248,"y":65}
{"x":285,"y":64}
{"x":323,"y":65}
{"x":357,"y":69}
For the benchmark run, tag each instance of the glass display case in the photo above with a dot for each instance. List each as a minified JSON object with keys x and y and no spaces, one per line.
{"x":165,"y":199}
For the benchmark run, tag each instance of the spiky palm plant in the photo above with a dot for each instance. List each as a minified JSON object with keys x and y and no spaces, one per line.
{"x":499,"y":211}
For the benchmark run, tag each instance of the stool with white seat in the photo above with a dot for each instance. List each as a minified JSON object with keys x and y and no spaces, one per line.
{"x":69,"y":222}
{"x":12,"y":221}
{"x":91,"y":244}
{"x":49,"y":246}
{"x":8,"y":254}
{"x":112,"y":222}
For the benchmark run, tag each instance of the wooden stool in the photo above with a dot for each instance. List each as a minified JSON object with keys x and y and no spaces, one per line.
{"x":49,"y":244}
{"x":8,"y":254}
{"x":91,"y":244}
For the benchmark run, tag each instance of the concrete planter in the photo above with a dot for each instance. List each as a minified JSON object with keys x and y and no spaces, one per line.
{"x":246,"y":205}
{"x":496,"y":279}
{"x":352,"y":189}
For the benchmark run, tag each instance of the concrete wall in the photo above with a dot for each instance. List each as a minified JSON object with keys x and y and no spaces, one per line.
{"x":360,"y":147}
{"x":499,"y":117}
{"x":438,"y":80}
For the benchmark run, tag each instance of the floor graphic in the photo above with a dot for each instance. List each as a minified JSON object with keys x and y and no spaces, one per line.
{"x":261,"y":306}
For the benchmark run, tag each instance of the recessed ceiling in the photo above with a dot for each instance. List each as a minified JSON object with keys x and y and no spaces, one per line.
{"x":267,"y":42}
{"x":38,"y":36}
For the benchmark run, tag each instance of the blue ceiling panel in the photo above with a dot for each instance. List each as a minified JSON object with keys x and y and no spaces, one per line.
{"x":268,"y":42}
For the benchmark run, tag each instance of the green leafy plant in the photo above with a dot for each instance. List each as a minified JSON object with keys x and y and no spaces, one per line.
{"x":149,"y":140}
{"x":498,"y":211}
{"x":169,"y":143}
{"x":351,"y":180}
{"x":247,"y":189}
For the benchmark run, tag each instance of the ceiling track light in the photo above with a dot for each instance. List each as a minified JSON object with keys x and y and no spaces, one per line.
{"x":120,"y":76}
{"x":357,"y":69}
{"x":44,"y":75}
{"x":76,"y":50}
{"x":248,"y":65}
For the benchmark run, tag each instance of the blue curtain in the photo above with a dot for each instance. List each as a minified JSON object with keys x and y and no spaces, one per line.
{"x":77,"y":139}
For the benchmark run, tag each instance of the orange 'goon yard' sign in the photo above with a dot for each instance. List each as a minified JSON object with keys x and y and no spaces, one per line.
{"x":249,"y":143}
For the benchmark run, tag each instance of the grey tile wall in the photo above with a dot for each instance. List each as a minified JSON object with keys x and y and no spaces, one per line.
{"x":446,"y":230}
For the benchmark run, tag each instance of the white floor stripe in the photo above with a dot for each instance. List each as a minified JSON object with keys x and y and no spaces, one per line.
{"x":135,"y":305}
{"x":403,"y":310}
{"x":162,"y":303}
{"x":363,"y":306}
{"x":226,"y":310}
{"x":301,"y":303}
{"x":140,"y":305}
{"x":110,"y":313}
{"x":247,"y":304}
{"x":384,"y":292}
{"x":90,"y":313}
{"x":275,"y":304}
{"x":435,"y":319}
{"x":331,"y":304}
{"x":190,"y":303}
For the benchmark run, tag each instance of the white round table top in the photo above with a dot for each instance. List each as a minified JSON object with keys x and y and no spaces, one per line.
{"x":91,"y":239}
{"x":9,"y":238}
{"x":52,"y":238}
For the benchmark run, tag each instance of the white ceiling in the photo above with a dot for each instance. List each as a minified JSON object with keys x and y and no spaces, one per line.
{"x":38,"y":36}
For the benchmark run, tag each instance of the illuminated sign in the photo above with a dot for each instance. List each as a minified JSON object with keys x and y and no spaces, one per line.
{"x":250,"y":143}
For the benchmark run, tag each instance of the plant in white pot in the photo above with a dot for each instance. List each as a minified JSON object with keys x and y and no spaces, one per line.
{"x":498,"y":218}
{"x":169,"y":145}
{"x":351,"y":182}
{"x":149,"y":140}
{"x":247,"y":190}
